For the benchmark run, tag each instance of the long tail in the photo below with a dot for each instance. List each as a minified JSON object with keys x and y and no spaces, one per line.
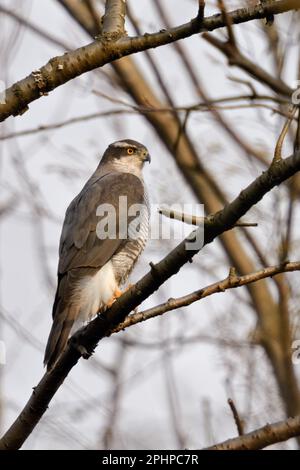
{"x":65,"y":312}
{"x":59,"y":335}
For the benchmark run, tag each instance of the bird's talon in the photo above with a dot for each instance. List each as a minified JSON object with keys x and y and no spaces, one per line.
{"x":115,"y":296}
{"x":83,"y":351}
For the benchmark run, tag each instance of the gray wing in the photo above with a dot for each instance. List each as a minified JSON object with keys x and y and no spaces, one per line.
{"x":79,"y":244}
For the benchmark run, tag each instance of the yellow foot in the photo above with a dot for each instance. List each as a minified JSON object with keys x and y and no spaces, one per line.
{"x":115,"y":296}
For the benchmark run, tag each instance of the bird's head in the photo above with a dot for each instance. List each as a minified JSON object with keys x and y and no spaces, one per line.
{"x":126,"y":155}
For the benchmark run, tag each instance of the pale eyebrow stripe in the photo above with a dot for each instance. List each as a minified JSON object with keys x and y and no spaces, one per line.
{"x":123,"y":145}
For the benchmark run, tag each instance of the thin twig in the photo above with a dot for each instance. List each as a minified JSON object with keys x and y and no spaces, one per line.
{"x":238,"y":421}
{"x":278,"y":149}
{"x":200,"y":107}
{"x":67,"y":122}
{"x":247,"y":83}
{"x":196,"y":220}
{"x":201,"y":9}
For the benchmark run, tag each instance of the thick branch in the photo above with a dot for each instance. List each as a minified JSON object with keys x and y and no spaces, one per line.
{"x":262,"y":437}
{"x":87,"y":338}
{"x":60,"y":70}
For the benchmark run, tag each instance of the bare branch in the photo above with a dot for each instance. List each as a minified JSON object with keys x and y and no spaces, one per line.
{"x":194,"y":219}
{"x":198,"y":107}
{"x":263,"y":437}
{"x":67,"y":122}
{"x":238,"y":421}
{"x":201,"y":9}
{"x":227,"y":21}
{"x":278,"y":149}
{"x":114,"y":19}
{"x":230,"y":282}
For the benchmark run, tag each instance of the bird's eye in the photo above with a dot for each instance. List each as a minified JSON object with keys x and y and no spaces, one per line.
{"x":130,"y":151}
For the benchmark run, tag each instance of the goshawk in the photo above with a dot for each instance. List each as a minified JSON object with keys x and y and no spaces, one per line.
{"x":104,"y":232}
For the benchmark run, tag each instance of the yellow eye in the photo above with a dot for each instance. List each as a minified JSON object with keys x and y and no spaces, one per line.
{"x":130,"y":151}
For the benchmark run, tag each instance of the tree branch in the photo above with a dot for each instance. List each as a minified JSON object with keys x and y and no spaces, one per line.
{"x":237,"y":419}
{"x":144,"y":110}
{"x":201,"y":9}
{"x":230,"y":282}
{"x":61,"y":69}
{"x":114,"y":19}
{"x":278,"y":148}
{"x":194,"y":219}
{"x":86,"y":339}
{"x":262,"y":437}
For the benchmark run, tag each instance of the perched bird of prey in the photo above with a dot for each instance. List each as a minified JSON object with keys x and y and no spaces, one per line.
{"x":93,"y":261}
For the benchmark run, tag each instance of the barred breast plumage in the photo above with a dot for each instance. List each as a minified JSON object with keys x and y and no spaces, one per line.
{"x":125,"y":259}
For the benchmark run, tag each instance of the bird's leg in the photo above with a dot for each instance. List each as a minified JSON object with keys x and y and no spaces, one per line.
{"x":117,"y":293}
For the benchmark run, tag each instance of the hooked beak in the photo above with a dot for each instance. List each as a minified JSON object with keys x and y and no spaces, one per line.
{"x":148,"y":158}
